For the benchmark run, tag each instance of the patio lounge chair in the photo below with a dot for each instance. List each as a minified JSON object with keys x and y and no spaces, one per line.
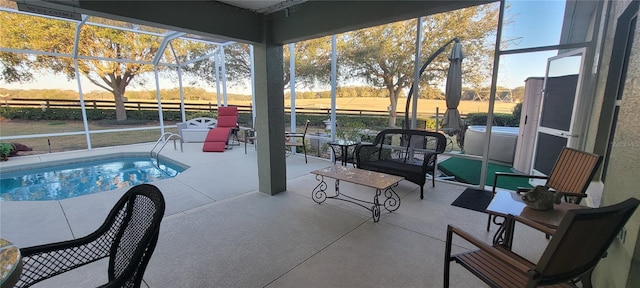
{"x":128,"y":237}
{"x":579,"y":242}
{"x":294,"y":140}
{"x":218,"y":138}
{"x":571,"y":175}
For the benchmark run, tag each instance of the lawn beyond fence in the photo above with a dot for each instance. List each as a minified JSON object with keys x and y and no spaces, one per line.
{"x":312,"y":108}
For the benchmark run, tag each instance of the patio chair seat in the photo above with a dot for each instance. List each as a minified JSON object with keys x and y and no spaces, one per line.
{"x":216,"y":140}
{"x":579,"y":242}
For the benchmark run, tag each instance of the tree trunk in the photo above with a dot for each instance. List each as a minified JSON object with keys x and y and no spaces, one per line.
{"x":121,"y":113}
{"x":393,"y":98}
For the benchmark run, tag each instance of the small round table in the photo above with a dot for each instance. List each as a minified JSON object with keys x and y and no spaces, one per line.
{"x":344,"y":146}
{"x":10,"y":263}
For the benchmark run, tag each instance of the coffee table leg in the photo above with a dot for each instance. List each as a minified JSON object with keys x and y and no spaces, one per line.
{"x":375,"y":209}
{"x":392,"y":203}
{"x":319,"y":194}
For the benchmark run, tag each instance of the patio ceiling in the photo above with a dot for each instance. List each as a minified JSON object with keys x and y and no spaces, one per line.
{"x":281,"y":22}
{"x":263,"y":6}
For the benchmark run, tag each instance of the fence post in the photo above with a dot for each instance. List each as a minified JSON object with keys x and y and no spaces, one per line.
{"x":47,"y":104}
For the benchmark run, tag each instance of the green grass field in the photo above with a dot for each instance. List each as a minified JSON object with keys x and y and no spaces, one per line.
{"x":425,"y":106}
{"x":78,"y":142}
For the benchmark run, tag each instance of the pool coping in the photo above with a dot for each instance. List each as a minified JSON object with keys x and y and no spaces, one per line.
{"x":84,"y":159}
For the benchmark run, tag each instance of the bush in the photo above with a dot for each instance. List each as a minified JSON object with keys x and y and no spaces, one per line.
{"x":499,"y":119}
{"x":76,"y":114}
{"x":192,"y":115}
{"x":517,"y":112}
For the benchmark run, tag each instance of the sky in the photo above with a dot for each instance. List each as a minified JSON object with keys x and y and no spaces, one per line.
{"x":533,"y":23}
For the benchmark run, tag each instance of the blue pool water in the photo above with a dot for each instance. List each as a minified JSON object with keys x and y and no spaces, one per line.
{"x":77,"y":178}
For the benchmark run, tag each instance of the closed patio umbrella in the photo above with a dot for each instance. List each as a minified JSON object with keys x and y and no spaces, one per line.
{"x":452,"y":121}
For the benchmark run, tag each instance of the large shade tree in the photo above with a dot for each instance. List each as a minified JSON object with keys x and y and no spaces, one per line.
{"x":237,"y":59}
{"x":111,"y":59}
{"x":312,"y":62}
{"x":384,"y":55}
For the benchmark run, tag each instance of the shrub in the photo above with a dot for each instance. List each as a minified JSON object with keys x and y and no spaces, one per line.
{"x":517,"y":112}
{"x":499,"y":119}
{"x":58,"y":114}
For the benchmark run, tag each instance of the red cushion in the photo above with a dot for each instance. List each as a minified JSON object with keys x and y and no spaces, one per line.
{"x":227,"y":121}
{"x":217,"y":135}
{"x":228,"y":111}
{"x":213,"y":147}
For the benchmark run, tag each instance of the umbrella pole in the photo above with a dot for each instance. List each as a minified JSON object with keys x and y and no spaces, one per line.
{"x":424,"y":67}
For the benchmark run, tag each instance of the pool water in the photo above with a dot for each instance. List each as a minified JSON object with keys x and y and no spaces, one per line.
{"x":81,"y":178}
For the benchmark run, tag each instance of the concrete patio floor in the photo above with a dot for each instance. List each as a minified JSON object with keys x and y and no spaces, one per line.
{"x":220,"y":231}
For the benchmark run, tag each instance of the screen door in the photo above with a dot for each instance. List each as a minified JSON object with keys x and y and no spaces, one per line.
{"x":558,"y":109}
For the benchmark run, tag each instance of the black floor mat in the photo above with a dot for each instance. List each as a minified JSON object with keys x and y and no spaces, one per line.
{"x":473,"y":199}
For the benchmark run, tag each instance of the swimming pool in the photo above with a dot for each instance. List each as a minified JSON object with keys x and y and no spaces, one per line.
{"x":77,"y":177}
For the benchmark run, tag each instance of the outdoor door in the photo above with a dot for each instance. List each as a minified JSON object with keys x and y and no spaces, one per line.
{"x":560,"y":105}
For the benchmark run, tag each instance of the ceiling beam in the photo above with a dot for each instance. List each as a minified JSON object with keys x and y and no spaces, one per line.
{"x":199,"y":17}
{"x":315,"y":19}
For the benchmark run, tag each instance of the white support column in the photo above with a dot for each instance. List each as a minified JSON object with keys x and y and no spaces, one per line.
{"x":182,"y":112}
{"x":224,"y":75}
{"x":83,"y":107}
{"x":416,"y":75}
{"x":253,"y":87}
{"x":155,"y":72}
{"x":292,"y":86}
{"x":492,"y":97}
{"x":334,"y":61}
{"x":216,"y":66}
{"x":179,"y":68}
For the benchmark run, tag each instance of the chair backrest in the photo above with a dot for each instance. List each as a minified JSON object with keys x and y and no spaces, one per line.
{"x":306,"y":126}
{"x":573,"y":171}
{"x":582,"y":238}
{"x":227,"y":117}
{"x":128,"y":237}
{"x":134,"y":226}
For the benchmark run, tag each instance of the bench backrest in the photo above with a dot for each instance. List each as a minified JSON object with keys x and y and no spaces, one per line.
{"x":407,"y":138}
{"x":202,"y":122}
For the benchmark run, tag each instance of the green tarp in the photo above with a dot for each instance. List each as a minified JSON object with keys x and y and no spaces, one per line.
{"x":468,"y":171}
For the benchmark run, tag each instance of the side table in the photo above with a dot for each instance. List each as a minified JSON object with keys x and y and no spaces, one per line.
{"x":346,"y":150}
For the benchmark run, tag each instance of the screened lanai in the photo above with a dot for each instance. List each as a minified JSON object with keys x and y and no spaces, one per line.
{"x":175,"y":58}
{"x":587,"y":30}
{"x":111,"y":56}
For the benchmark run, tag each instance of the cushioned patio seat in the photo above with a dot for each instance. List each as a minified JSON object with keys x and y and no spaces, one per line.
{"x":217,"y":139}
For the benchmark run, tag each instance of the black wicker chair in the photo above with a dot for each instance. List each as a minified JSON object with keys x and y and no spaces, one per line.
{"x":128,"y":237}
